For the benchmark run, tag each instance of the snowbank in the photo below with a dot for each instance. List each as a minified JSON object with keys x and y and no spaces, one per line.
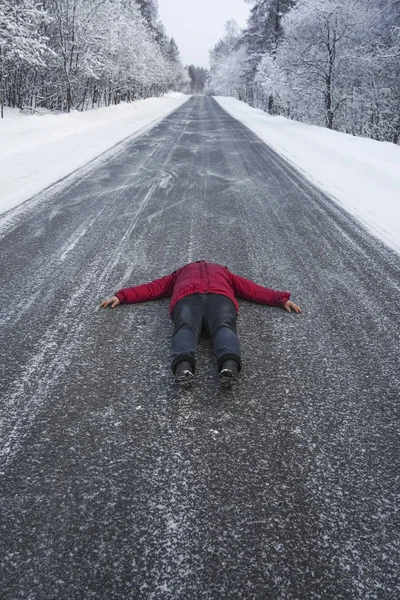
{"x":361,"y":174}
{"x":36,"y":151}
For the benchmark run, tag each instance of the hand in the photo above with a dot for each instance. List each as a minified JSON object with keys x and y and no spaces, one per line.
{"x":113,"y":301}
{"x":289,"y":306}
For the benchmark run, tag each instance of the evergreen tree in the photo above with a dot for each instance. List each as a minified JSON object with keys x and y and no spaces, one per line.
{"x":198,"y":77}
{"x":172,"y":52}
{"x":262,"y":36}
{"x":149,"y":10}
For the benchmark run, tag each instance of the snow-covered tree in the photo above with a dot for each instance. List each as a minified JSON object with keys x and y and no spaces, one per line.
{"x":314,"y":55}
{"x":125,"y":60}
{"x":99,"y":52}
{"x":149,"y":10}
{"x":21,"y":44}
{"x":178,"y":75}
{"x":262,"y":36}
{"x":329,"y":62}
{"x":376,"y":105}
{"x":330,"y":66}
{"x":198,"y":77}
{"x":264,"y":28}
{"x":228,"y":64}
{"x":172,"y":51}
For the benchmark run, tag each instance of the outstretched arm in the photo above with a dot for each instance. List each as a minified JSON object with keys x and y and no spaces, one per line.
{"x":156,"y":289}
{"x":249,"y":290}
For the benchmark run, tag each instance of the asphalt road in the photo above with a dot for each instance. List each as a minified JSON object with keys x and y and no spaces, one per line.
{"x":116,"y":485}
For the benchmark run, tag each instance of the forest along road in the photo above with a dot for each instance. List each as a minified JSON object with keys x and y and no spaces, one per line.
{"x":115,"y":484}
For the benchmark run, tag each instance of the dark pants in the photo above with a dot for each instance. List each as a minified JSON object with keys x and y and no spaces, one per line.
{"x":218,"y":315}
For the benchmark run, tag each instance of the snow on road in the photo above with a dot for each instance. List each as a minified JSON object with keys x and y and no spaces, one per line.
{"x":37,"y":150}
{"x":363,"y":175}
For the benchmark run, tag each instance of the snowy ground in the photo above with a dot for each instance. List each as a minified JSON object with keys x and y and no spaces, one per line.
{"x":36,"y":151}
{"x":361,"y":174}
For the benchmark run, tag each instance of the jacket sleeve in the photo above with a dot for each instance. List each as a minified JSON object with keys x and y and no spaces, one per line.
{"x":248,"y":290}
{"x":159,"y":288}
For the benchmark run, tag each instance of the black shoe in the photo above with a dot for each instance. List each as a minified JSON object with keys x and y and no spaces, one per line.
{"x":229,"y":374}
{"x":184,"y":373}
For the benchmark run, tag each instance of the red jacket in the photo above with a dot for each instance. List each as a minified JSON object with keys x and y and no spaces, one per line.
{"x":202,"y":277}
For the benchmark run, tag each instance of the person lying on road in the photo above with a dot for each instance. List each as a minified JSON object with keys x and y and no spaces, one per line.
{"x":203,"y":294}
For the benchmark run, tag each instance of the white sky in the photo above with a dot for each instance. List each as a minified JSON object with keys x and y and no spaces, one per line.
{"x":197,"y":25}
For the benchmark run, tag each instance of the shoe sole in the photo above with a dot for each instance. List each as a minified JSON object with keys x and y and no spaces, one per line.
{"x":227,"y":381}
{"x":185,"y":380}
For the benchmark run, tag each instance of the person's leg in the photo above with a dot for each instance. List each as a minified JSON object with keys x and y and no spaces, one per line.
{"x":220,"y":320}
{"x":187,"y":317}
